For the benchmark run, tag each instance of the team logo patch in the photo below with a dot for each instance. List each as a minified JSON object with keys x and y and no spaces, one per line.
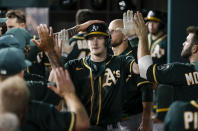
{"x":163,"y":67}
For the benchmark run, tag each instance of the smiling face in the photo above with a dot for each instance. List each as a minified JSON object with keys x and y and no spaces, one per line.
{"x":97,"y":45}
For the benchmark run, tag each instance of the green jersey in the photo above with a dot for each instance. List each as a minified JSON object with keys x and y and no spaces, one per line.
{"x":155,"y":45}
{"x":44,"y":117}
{"x":101,"y":86}
{"x":182,"y":116}
{"x":180,"y":83}
{"x":138,"y":89}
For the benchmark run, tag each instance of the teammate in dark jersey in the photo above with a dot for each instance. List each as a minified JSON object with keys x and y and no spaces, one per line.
{"x":182,"y":116}
{"x":135,"y":102}
{"x":181,"y":76}
{"x":100,"y":78}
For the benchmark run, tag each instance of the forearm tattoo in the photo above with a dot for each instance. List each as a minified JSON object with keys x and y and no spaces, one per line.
{"x":73,"y":31}
{"x":54,"y":60}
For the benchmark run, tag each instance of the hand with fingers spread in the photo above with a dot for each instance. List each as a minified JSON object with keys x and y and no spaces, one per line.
{"x":139,"y":25}
{"x":128,"y":29}
{"x":63,"y":82}
{"x":46,"y":38}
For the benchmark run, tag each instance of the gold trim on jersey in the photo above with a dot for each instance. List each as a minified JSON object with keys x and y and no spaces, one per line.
{"x":79,"y":37}
{"x":154,"y":106}
{"x":99,"y":110}
{"x":151,"y":47}
{"x":154,"y":75}
{"x":72,"y":122}
{"x":28,"y":69}
{"x":47,"y":64}
{"x":162,"y":110}
{"x":92,"y":86}
{"x":194,"y":103}
{"x":109,"y":60}
{"x":131,"y":65}
{"x":129,"y":52}
{"x":143,"y":82}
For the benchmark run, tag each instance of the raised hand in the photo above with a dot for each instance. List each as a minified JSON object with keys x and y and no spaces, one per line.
{"x":46,"y":42}
{"x":139,"y":25}
{"x":63,"y":82}
{"x":128,"y":28}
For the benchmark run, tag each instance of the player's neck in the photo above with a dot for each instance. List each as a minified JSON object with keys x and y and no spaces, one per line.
{"x":99,"y":58}
{"x":120,"y":48}
{"x":193,"y":58}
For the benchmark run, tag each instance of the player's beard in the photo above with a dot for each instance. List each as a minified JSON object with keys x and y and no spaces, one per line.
{"x":187,"y":52}
{"x":116,"y":43}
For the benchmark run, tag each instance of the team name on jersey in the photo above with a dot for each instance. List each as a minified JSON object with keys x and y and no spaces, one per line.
{"x":191,"y":78}
{"x":111,"y":77}
{"x":190,"y":118}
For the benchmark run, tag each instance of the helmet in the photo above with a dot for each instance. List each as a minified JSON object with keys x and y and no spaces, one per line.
{"x":97,"y":29}
{"x":154,"y":16}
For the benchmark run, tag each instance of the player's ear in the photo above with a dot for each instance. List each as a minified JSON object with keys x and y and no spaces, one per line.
{"x":194,"y":48}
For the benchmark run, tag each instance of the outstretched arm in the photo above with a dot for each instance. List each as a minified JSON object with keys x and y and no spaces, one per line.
{"x":66,"y":90}
{"x":144,"y":59}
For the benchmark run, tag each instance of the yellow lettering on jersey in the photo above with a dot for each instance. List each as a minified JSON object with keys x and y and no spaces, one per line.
{"x":188,"y":118}
{"x":189,"y":79}
{"x":195,"y":74}
{"x":195,"y":120}
{"x":109,"y":78}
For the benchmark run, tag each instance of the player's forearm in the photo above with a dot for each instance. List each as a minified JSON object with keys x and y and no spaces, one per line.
{"x":73,"y":31}
{"x":54,"y":59}
{"x":74,"y":105}
{"x":144,"y":59}
{"x":146,"y":115}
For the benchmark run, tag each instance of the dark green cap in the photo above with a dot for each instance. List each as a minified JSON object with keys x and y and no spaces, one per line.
{"x":12,"y":61}
{"x":21,"y":35}
{"x":9,"y":41}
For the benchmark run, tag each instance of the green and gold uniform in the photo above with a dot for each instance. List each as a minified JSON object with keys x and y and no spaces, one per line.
{"x":182,"y":116}
{"x":138,"y":89}
{"x":180,"y":83}
{"x":44,"y":117}
{"x":101,"y":86}
{"x":162,"y":43}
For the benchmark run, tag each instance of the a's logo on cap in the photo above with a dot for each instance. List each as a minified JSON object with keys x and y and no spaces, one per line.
{"x":94,"y":28}
{"x":3,"y":72}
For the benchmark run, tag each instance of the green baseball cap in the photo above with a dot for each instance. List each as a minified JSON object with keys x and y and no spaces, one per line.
{"x":21,"y":35}
{"x":12,"y":61}
{"x":9,"y":41}
{"x":3,"y":20}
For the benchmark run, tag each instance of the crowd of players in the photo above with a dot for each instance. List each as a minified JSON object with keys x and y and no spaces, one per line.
{"x":96,"y":77}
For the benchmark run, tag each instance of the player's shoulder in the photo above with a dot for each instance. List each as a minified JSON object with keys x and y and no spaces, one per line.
{"x":179,"y":104}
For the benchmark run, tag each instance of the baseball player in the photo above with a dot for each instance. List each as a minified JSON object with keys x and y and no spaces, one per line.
{"x":134,"y":101}
{"x":182,"y":116}
{"x":182,"y":76}
{"x":157,"y":38}
{"x":99,"y":79}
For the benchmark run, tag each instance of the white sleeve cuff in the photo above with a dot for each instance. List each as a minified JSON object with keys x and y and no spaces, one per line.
{"x":144,"y":63}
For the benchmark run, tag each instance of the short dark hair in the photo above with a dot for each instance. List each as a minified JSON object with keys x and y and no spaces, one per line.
{"x":194,"y":30}
{"x":84,"y":15}
{"x":16,"y":14}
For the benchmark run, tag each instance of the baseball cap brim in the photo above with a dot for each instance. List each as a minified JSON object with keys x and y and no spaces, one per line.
{"x":3,"y":20}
